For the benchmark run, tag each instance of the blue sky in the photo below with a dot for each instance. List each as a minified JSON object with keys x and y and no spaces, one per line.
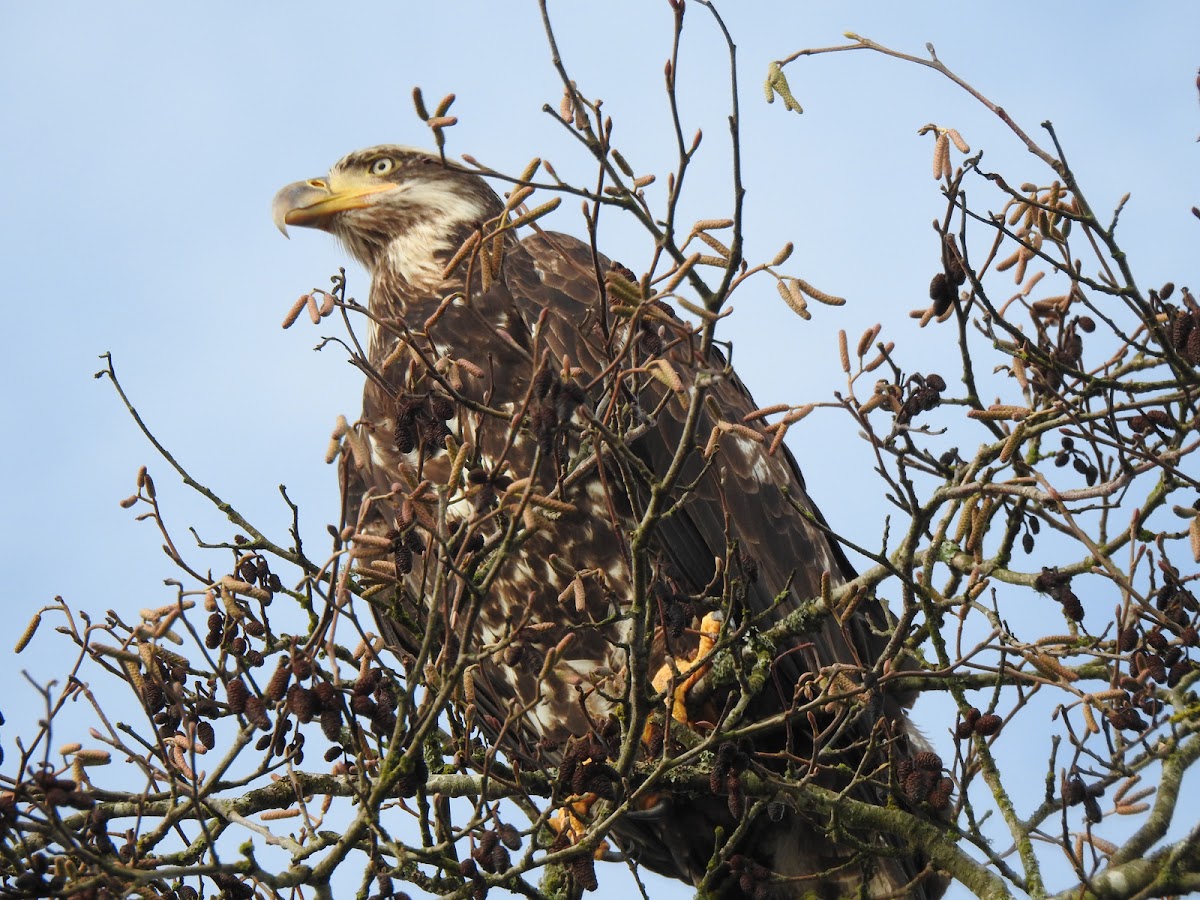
{"x":143,"y":143}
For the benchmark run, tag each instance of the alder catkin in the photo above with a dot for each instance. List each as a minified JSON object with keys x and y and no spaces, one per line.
{"x":294,"y":312}
{"x":28,"y":633}
{"x":941,"y":157}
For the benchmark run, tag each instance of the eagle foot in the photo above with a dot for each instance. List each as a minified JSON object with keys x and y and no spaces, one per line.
{"x":692,"y":671}
{"x":651,"y":808}
{"x":569,"y":826}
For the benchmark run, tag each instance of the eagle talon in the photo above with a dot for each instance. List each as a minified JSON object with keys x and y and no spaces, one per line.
{"x":656,"y":807}
{"x":693,"y":671}
{"x":568,"y":821}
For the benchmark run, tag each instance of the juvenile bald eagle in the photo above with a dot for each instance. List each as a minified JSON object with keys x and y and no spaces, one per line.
{"x":571,"y":392}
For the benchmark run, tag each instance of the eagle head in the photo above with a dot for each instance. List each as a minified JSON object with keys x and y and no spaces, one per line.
{"x":393,"y":207}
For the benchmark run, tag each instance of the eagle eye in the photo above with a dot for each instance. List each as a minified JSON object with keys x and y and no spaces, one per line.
{"x":382,"y":166}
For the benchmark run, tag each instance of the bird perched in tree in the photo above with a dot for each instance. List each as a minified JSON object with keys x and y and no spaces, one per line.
{"x":579,"y":512}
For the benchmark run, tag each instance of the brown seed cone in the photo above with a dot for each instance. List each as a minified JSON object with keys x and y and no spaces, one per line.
{"x":485,"y":851}
{"x":988,"y":725}
{"x":256,"y":712}
{"x":927,"y":760}
{"x":500,"y":859}
{"x":367,"y":681}
{"x":918,"y":784}
{"x":301,"y":666}
{"x":409,"y":783}
{"x":655,"y":736}
{"x":236,"y":695}
{"x":1179,"y":671}
{"x":737,"y":799}
{"x":278,"y":684}
{"x":1076,"y":790}
{"x":302,"y":702}
{"x":331,"y":723}
{"x":326,"y":694}
{"x":254,"y":627}
{"x":939,"y":797}
{"x":153,"y":696}
{"x":717,"y":777}
{"x":1156,"y":639}
{"x":1191,"y":351}
{"x":510,"y":836}
{"x":942,"y":293}
{"x":583,"y":870}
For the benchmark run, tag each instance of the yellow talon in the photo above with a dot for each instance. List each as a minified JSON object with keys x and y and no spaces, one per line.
{"x":693,"y":671}
{"x":568,"y":820}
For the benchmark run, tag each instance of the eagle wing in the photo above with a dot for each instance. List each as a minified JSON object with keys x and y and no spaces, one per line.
{"x":752,"y":499}
{"x":743,"y":514}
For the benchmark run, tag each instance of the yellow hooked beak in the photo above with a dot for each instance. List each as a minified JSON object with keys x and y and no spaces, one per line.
{"x":314,"y":202}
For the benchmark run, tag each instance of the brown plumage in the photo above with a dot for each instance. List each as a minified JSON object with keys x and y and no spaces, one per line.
{"x":521,"y":354}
